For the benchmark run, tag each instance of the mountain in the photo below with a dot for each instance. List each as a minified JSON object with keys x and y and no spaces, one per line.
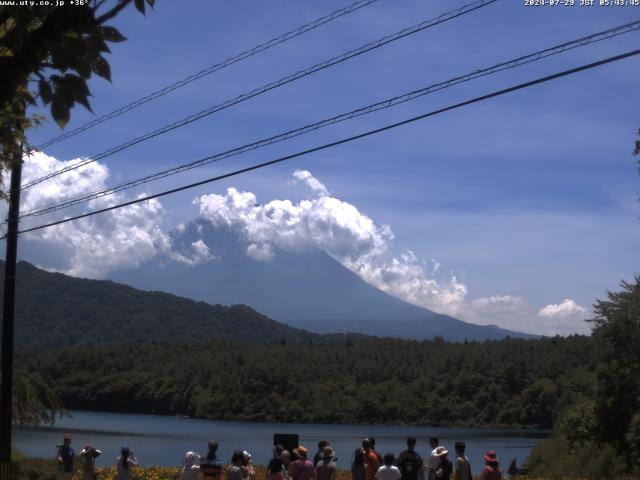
{"x":306,"y":289}
{"x":54,"y":310}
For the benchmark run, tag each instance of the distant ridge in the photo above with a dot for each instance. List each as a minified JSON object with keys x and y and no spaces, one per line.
{"x":54,"y":310}
{"x":307,"y":289}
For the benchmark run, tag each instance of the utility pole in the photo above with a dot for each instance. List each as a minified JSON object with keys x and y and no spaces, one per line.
{"x":6,"y":388}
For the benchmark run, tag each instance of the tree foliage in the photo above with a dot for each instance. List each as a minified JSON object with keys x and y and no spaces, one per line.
{"x":608,"y":423}
{"x":47,"y":54}
{"x":34,"y":401}
{"x":617,"y":332}
{"x":510,"y":382}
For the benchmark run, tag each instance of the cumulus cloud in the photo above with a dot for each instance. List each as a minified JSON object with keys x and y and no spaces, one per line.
{"x":339,"y":228}
{"x":122,"y":238}
{"x":324,"y":222}
{"x":128,"y":237}
{"x":312,"y":182}
{"x":197,"y":253}
{"x":565,"y":309}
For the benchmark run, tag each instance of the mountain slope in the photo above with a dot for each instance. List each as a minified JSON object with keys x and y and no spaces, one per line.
{"x":55,"y":310}
{"x":307,"y":289}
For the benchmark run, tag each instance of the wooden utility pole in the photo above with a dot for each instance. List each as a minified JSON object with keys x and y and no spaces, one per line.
{"x":6,"y":388}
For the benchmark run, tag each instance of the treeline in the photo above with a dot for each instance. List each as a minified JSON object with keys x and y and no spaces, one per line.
{"x":509,"y":382}
{"x":598,"y":436}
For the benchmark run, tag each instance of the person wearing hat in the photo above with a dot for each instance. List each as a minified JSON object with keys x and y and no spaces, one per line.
{"x":65,"y":459}
{"x":211,"y":466}
{"x":190,"y":466}
{"x":301,"y":468}
{"x":491,"y":470}
{"x":445,"y":467}
{"x":248,"y":471}
{"x":326,"y":467}
{"x":89,"y":455}
{"x":125,"y":463}
{"x":434,"y":460}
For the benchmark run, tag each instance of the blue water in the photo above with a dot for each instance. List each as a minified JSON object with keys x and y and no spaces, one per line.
{"x":162,"y":440}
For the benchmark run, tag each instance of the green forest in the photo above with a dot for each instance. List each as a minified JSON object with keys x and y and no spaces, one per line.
{"x":510,"y":382}
{"x":587,"y":388}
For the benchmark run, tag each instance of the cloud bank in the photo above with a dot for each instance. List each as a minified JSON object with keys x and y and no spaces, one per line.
{"x":122,"y":238}
{"x":128,"y":237}
{"x":324,"y":222}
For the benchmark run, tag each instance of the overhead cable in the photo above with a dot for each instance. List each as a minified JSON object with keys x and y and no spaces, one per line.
{"x":209,"y":70}
{"x":478,"y":73}
{"x":342,"y":141}
{"x":270,"y":86}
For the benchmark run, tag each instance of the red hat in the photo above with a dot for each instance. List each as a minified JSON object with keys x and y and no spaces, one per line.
{"x":491,"y":457}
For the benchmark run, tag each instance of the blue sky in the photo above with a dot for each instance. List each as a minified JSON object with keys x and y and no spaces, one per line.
{"x":531,"y":195}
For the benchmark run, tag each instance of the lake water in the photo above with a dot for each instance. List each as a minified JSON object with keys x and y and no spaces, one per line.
{"x":162,"y":440}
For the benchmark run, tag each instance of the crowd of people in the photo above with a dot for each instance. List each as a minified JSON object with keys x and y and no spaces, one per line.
{"x":66,"y":456}
{"x":367,"y":463}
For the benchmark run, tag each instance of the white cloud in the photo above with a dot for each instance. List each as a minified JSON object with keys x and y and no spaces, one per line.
{"x":565,"y":309}
{"x":340,"y":229}
{"x":354,"y":239}
{"x":128,"y":237}
{"x":122,"y":238}
{"x":312,"y":182}
{"x":198,"y":252}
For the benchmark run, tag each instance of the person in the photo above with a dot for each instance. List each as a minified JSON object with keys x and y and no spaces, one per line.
{"x":234,"y":471}
{"x":463,"y":466}
{"x":320,"y":453}
{"x":370,"y":459}
{"x":444,"y":468}
{"x":89,"y":455}
{"x":359,"y":467}
{"x":190,"y":466}
{"x":388,"y":471}
{"x":301,"y":468}
{"x":326,"y":467}
{"x":285,"y":456}
{"x":125,"y":463}
{"x":248,"y":471}
{"x":491,"y":470}
{"x":275,"y":470}
{"x":434,"y":442}
{"x":409,"y":461}
{"x":66,"y":455}
{"x":211,"y":466}
{"x":372,"y":442}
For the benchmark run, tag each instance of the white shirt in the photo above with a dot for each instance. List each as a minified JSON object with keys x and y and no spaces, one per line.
{"x":388,"y":473}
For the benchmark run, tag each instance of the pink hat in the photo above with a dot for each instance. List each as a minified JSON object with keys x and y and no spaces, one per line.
{"x":491,"y":457}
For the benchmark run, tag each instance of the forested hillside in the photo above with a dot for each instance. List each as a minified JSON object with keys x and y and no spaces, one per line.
{"x":509,"y":382}
{"x":55,"y":310}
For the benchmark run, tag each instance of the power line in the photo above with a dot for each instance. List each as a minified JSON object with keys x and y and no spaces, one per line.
{"x":596,"y":37}
{"x":344,"y":140}
{"x":209,"y":70}
{"x":270,"y":86}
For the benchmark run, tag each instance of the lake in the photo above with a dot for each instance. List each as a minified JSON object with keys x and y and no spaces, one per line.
{"x":163,"y":440}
